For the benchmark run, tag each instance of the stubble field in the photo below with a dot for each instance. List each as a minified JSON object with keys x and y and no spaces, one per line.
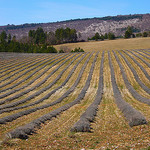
{"x":118,"y":44}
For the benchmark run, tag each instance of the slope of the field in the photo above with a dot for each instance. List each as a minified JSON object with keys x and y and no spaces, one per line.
{"x":91,"y":100}
{"x":119,"y":44}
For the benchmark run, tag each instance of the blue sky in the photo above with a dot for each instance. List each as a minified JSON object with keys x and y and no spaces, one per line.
{"x":42,"y":11}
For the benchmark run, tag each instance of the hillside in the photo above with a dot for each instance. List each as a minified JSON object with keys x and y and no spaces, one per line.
{"x":89,"y":26}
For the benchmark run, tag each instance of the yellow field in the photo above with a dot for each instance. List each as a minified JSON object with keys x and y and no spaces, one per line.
{"x":119,"y":44}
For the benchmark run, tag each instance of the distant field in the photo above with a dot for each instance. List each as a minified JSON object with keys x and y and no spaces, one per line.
{"x":120,"y":44}
{"x":91,"y":100}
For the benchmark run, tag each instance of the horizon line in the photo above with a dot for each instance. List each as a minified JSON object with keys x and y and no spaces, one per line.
{"x":74,"y":19}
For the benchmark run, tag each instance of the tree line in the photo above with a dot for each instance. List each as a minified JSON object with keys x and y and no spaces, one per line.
{"x":37,"y":41}
{"x":58,"y":37}
{"x":129,"y":33}
{"x":97,"y":36}
{"x":10,"y":44}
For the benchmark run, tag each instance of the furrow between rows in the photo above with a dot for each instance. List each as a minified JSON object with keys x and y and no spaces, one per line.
{"x":28,"y":62}
{"x":148,"y":64}
{"x":133,"y":116}
{"x":49,"y":93}
{"x":27,"y":69}
{"x":26,"y":72}
{"x":142,"y":54}
{"x":24,"y":131}
{"x":70,"y":90}
{"x":16,"y":63}
{"x":141,"y":67}
{"x":129,"y":86}
{"x":39,"y":83}
{"x":28,"y":77}
{"x":83,"y":125}
{"x":38,"y":92}
{"x":145,"y":88}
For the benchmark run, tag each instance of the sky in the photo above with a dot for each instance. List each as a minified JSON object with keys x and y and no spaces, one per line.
{"x":42,"y":11}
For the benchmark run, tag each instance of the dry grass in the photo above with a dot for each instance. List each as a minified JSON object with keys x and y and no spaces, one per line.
{"x":119,"y":44}
{"x":110,"y":129}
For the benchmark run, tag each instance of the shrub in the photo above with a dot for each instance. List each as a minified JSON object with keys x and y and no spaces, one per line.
{"x":51,"y":49}
{"x":145,"y":34}
{"x":61,"y":51}
{"x":77,"y":50}
{"x":111,"y":36}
